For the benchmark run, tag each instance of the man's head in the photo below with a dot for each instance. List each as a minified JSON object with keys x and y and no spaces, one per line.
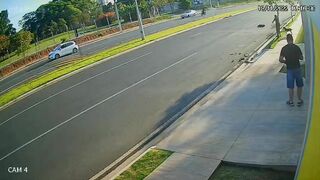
{"x":289,"y":38}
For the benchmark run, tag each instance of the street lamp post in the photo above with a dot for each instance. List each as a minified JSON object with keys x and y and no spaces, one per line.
{"x":117,"y":13}
{"x":140,"y":21}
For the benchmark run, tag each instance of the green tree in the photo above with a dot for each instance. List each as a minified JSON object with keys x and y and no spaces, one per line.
{"x":53,"y":27}
{"x":144,"y":8}
{"x":107,"y":8}
{"x":5,"y":27}
{"x":62,"y":25}
{"x":157,"y":5}
{"x":22,"y":41}
{"x":185,"y":4}
{"x":126,"y":11}
{"x":171,"y":3}
{"x":4,"y":45}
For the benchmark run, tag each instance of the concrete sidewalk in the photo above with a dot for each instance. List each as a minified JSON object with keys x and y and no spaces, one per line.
{"x":244,"y":120}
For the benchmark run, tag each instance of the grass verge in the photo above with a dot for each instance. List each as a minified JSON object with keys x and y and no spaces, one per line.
{"x":145,"y":165}
{"x":283,"y":33}
{"x":24,"y":88}
{"x":43,"y":44}
{"x":235,"y":172}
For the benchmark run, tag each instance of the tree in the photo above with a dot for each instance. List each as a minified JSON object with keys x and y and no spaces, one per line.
{"x":53,"y":27}
{"x":107,"y":8}
{"x":185,"y":4}
{"x":5,"y":27}
{"x":22,"y":41}
{"x":73,"y":12}
{"x":171,"y":3}
{"x":127,"y":11}
{"x":4,"y":45}
{"x":158,"y":4}
{"x":144,"y":8}
{"x":62,"y":25}
{"x":73,"y":15}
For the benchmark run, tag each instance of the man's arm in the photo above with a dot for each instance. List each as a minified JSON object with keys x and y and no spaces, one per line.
{"x":301,"y":55}
{"x":281,"y":59}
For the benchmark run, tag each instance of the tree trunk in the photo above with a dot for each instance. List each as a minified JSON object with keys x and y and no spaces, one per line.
{"x":108,"y":22}
{"x":130,"y":17}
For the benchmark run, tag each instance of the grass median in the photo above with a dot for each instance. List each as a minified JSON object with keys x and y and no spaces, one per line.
{"x":28,"y":86}
{"x":145,"y":165}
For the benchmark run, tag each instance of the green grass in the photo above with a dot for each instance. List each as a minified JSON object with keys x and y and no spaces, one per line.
{"x":283,"y":34}
{"x":145,"y":165}
{"x":234,"y":172}
{"x":43,"y":44}
{"x":238,"y":2}
{"x":52,"y":41}
{"x":24,"y":88}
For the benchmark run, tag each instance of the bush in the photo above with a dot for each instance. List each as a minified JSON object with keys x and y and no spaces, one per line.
{"x":185,"y":4}
{"x":63,"y":40}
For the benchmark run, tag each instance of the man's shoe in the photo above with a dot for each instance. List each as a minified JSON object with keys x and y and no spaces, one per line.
{"x":300,"y":103}
{"x":290,"y":103}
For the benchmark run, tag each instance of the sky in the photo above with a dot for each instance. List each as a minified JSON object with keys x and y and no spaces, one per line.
{"x":17,"y":8}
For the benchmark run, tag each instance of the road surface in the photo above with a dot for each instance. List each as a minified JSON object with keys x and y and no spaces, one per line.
{"x":79,"y":125}
{"x":92,"y":48}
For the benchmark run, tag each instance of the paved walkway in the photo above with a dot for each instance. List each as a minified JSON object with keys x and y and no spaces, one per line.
{"x":244,"y":120}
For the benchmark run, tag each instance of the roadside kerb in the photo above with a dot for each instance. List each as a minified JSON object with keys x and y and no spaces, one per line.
{"x":130,"y":46}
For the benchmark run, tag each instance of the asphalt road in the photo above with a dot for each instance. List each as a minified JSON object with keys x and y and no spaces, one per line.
{"x":79,"y":125}
{"x":45,"y":66}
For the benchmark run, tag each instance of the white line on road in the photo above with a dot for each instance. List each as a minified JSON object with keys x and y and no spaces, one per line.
{"x":97,"y":104}
{"x":79,"y":83}
{"x":16,"y":84}
{"x":194,"y":35}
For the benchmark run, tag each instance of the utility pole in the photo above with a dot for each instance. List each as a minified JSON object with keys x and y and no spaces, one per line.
{"x":140,"y":21}
{"x":210,"y":3}
{"x":116,"y":8}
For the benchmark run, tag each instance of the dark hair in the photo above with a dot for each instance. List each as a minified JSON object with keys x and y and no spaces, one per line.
{"x":289,"y":37}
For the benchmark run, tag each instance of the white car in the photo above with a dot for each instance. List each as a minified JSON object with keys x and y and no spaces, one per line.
{"x":188,"y":14}
{"x":64,"y":49}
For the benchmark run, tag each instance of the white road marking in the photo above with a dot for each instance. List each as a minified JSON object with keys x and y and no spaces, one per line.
{"x":95,"y":105}
{"x":77,"y":84}
{"x":16,"y":84}
{"x":194,"y":35}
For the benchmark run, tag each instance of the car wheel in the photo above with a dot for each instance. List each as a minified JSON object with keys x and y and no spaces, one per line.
{"x":57,"y":56}
{"x":75,"y":50}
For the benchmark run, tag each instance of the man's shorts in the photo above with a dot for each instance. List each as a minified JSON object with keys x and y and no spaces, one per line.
{"x":294,"y":75}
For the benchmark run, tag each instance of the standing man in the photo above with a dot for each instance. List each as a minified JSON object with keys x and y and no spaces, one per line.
{"x":276,"y":19}
{"x":290,"y":55}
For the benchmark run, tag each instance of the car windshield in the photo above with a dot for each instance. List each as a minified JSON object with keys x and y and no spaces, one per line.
{"x":189,"y":11}
{"x":57,"y":48}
